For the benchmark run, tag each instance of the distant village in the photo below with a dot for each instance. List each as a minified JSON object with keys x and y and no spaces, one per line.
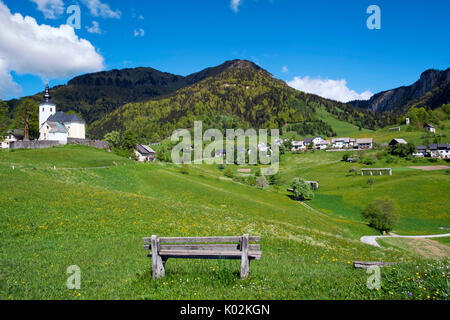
{"x":59,"y":128}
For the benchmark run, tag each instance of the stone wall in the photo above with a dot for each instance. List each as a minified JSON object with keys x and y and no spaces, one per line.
{"x":40,"y":144}
{"x":33,"y":144}
{"x":99,"y":144}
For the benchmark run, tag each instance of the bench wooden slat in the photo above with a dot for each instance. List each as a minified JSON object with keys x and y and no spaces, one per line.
{"x":201,"y":253}
{"x":202,"y":239}
{"x":210,"y":247}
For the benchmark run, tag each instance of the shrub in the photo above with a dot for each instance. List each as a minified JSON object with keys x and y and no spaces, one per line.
{"x":275,"y":179}
{"x":250,"y":180}
{"x":346,"y":156}
{"x":370,"y":182}
{"x":381,"y":214}
{"x":353,"y":170}
{"x":367,"y":161}
{"x":301,"y":189}
{"x":261,"y":182}
{"x":390,"y":159}
{"x":228,"y":172}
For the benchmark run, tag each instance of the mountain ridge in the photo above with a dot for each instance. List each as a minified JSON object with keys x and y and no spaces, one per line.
{"x":431,"y":90}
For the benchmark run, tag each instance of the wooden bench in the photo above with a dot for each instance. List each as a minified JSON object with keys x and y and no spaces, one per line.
{"x":202,"y":248}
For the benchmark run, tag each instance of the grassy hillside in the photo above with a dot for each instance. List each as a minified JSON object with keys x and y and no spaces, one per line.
{"x":424,"y":205}
{"x":96,"y":219}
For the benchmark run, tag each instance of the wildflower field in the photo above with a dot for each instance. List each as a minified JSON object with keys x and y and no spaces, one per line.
{"x":79,"y":206}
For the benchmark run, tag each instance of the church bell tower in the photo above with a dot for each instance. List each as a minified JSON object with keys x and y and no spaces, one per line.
{"x":46,"y":107}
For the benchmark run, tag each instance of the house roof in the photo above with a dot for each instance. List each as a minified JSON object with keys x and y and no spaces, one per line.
{"x":341,"y":140}
{"x":440,"y":146}
{"x":297,"y":143}
{"x":324,"y":142}
{"x":398,"y":140}
{"x":144,"y":150}
{"x":428,"y":125}
{"x":18,"y":134}
{"x":65,"y":118}
{"x":364,"y":140}
{"x":421,"y":148}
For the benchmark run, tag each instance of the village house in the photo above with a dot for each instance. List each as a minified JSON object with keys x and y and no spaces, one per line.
{"x":11,"y":136}
{"x":298,"y":146}
{"x":323,"y":144}
{"x":441,"y":150}
{"x":58,"y":126}
{"x":397,"y":141}
{"x":430,"y":128}
{"x":340,"y":143}
{"x":278,"y":141}
{"x":314,"y":141}
{"x":365,"y":143}
{"x":144,"y":153}
{"x":421,"y":152}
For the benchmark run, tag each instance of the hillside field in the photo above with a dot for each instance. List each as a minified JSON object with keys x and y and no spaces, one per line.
{"x":95,"y":218}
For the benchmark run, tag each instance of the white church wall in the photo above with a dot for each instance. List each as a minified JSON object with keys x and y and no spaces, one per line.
{"x":45,"y":111}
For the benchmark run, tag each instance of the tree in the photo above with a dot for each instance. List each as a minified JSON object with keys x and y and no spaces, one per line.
{"x":3,"y":119}
{"x":275,"y":179}
{"x":402,"y":150}
{"x":261,"y":182}
{"x":228,"y":172}
{"x":113,"y":139}
{"x":27,"y":115}
{"x":301,"y":189}
{"x":381,"y":214}
{"x":128,"y":141}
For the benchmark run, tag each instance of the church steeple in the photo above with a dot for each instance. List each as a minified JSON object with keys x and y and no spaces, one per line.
{"x":47,"y":95}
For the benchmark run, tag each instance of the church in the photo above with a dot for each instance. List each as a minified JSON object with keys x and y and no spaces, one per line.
{"x":58,"y":126}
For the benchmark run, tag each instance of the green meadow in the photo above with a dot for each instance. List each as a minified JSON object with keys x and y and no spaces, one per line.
{"x":79,"y":206}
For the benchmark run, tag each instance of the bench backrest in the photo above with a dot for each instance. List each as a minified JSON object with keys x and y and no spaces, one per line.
{"x":227,"y":244}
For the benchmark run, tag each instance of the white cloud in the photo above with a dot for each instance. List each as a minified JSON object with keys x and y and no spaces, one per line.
{"x":285,"y":69}
{"x":42,"y":50}
{"x":95,"y":28}
{"x":50,"y":8}
{"x":98,"y":8}
{"x":139,"y":32}
{"x":8,"y":88}
{"x":331,"y":89}
{"x":235,"y":5}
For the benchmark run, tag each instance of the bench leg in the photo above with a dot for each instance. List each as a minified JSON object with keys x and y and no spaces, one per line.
{"x":158,"y":269}
{"x":157,"y":261}
{"x":245,"y":262}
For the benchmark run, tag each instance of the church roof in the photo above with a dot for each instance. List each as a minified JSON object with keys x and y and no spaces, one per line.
{"x":65,"y":118}
{"x":56,"y":127}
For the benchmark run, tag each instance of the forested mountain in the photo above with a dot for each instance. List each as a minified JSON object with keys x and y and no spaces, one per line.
{"x":236,"y":94}
{"x":96,"y":94}
{"x":432,"y":90}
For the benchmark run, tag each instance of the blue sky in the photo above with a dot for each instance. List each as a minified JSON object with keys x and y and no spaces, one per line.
{"x":314,"y":45}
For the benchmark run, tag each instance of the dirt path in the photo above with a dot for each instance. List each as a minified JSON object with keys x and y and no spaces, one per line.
{"x":430,"y":168}
{"x":372,"y":240}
